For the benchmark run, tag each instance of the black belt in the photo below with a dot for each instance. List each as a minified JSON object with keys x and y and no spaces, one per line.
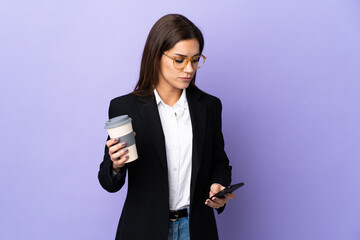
{"x":176,"y":214}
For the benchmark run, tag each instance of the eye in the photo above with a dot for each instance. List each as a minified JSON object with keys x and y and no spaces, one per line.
{"x":196,"y":59}
{"x":179,"y":59}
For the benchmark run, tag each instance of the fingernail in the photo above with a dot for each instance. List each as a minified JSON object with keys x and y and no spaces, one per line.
{"x":123,"y":144}
{"x":116,"y":139}
{"x":127,"y":157}
{"x":126,"y":150}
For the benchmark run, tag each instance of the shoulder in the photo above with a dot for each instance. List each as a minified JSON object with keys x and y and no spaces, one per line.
{"x":123,"y":100}
{"x":211,"y":100}
{"x":122,"y":105}
{"x":205,"y":98}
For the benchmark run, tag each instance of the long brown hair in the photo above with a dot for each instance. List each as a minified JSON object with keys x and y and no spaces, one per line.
{"x":166,"y":32}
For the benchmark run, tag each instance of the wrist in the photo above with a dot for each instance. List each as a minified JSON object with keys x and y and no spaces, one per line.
{"x":116,"y":170}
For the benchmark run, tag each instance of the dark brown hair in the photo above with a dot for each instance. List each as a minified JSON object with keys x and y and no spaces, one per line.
{"x":166,"y":32}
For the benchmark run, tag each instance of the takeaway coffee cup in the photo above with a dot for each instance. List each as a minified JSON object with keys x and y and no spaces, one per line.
{"x":121,"y":127}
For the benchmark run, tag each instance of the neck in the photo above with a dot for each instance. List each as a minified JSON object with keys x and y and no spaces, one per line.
{"x":169,"y":96}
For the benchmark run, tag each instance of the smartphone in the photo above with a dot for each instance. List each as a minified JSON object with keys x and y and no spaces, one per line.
{"x":228,"y":189}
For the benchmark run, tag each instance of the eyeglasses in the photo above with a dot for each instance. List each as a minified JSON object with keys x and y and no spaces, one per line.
{"x":181,"y":62}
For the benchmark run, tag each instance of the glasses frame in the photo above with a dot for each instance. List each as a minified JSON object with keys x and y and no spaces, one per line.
{"x":188,"y":59}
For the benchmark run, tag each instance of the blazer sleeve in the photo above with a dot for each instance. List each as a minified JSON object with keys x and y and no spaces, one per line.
{"x":106,"y":178}
{"x":221,"y":170}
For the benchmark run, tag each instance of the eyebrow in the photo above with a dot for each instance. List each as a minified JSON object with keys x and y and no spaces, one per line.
{"x":181,"y":55}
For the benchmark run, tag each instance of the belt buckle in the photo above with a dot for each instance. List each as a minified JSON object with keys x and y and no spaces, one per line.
{"x":176,"y":216}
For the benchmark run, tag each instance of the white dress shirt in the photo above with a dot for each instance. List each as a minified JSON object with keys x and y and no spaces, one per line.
{"x":176,"y":124}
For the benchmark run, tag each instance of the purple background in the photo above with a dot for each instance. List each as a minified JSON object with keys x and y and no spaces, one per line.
{"x":288,"y":75}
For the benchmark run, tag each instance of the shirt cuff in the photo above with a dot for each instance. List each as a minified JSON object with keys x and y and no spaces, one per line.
{"x":114,"y":173}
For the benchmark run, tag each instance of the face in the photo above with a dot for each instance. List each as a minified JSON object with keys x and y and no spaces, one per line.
{"x":171,"y":78}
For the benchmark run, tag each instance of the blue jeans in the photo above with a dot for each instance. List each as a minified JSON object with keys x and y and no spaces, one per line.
{"x":179,"y":230}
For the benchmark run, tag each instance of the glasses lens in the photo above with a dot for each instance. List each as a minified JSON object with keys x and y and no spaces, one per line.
{"x":197,"y":62}
{"x":179,"y":62}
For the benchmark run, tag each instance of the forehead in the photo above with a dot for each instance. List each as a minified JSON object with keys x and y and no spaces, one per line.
{"x":187,"y":47}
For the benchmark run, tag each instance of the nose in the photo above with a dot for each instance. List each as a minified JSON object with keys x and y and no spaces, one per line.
{"x":189,"y":68}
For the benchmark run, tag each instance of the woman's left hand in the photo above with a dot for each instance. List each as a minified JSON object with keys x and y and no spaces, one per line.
{"x":218,"y":202}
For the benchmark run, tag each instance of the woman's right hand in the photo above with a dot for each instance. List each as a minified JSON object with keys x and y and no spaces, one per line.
{"x":117,"y":153}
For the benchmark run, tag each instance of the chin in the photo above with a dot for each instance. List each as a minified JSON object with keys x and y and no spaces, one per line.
{"x":183,"y":86}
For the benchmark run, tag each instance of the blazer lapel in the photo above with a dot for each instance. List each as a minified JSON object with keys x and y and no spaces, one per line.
{"x":150,"y":113}
{"x":198,"y":120}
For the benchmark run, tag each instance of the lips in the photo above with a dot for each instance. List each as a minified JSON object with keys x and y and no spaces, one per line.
{"x":186,"y":79}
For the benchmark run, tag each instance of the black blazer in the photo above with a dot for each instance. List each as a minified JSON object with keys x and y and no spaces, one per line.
{"x":145,"y":213}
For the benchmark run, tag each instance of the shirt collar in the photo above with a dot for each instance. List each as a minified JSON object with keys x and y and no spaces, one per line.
{"x":181,"y":103}
{"x":157,"y":97}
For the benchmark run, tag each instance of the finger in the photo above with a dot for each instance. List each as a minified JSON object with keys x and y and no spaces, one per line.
{"x":209,"y":203}
{"x":123,"y":159}
{"x":134,"y":133}
{"x":120,"y":162}
{"x":116,"y":148}
{"x":211,"y":193}
{"x":119,"y":154}
{"x":213,"y":204}
{"x":221,"y":201}
{"x":230,"y":195}
{"x":111,"y":142}
{"x":216,"y":187}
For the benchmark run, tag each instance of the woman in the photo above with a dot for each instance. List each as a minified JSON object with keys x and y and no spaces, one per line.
{"x":179,"y":142}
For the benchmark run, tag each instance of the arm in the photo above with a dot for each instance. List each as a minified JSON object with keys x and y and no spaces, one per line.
{"x":109,"y":181}
{"x":221,"y":170}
